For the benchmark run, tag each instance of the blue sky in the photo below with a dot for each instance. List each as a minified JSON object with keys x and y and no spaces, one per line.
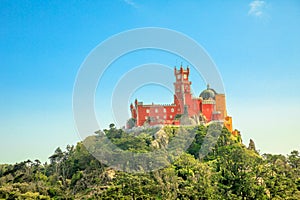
{"x":255,"y":45}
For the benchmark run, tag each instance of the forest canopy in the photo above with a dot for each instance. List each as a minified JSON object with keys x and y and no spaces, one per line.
{"x":230,"y":171}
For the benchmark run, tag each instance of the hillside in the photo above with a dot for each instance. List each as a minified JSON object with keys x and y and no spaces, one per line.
{"x":229,"y":171}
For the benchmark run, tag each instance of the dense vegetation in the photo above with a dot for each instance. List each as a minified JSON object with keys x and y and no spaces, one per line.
{"x":229,"y":171}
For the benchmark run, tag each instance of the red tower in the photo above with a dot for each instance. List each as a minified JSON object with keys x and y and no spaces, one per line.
{"x":182,"y":87}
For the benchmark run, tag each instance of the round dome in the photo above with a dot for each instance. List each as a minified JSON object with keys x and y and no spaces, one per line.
{"x":208,"y":94}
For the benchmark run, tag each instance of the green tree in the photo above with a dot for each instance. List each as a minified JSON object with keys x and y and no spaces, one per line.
{"x":239,"y":173}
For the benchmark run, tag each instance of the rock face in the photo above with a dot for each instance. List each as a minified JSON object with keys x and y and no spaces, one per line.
{"x":110,"y":174}
{"x":161,"y":139}
{"x":191,"y":121}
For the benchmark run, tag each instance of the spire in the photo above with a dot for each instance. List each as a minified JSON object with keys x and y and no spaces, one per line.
{"x":208,"y":86}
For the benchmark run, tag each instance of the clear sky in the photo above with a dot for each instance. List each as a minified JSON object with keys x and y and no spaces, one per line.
{"x":255,"y":45}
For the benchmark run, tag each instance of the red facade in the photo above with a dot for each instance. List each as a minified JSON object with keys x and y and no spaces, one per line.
{"x":184,"y":103}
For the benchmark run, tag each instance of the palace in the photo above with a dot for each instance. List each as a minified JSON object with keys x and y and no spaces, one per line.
{"x":209,"y":106}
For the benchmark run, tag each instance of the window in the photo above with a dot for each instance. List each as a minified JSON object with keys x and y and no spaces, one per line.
{"x":165,"y":110}
{"x":146,"y":117}
{"x":165,"y":116}
{"x":172,"y":109}
{"x":156,"y":110}
{"x":147,"y":111}
{"x":157,"y":117}
{"x":171,"y":116}
{"x":185,"y":76}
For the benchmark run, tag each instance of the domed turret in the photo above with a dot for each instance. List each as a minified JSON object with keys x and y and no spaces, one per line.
{"x":208,"y":93}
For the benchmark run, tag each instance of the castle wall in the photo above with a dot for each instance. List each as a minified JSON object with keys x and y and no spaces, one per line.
{"x":207,"y":109}
{"x":213,"y":108}
{"x":221,"y":105}
{"x":228,"y":123}
{"x":158,"y":114}
{"x":194,"y":107}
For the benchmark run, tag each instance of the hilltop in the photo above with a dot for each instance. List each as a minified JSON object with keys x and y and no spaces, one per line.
{"x":230,"y":170}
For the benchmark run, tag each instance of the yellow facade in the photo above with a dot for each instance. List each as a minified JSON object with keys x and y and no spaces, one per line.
{"x":228,"y":123}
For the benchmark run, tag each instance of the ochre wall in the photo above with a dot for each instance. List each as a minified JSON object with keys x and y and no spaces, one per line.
{"x":221,"y":105}
{"x":228,"y":123}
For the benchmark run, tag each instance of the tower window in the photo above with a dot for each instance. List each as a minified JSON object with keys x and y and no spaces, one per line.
{"x":172,"y":109}
{"x":147,"y":111}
